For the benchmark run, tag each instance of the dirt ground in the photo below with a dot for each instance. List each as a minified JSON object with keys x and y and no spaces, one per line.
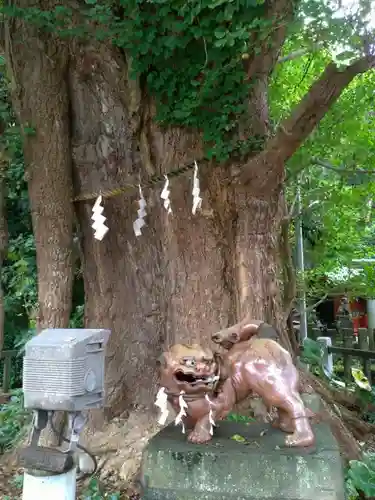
{"x":117,"y":448}
{"x":11,"y":489}
{"x":8,"y":482}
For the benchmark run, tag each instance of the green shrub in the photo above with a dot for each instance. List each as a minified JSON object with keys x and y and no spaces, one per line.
{"x":234,"y":417}
{"x":13,"y":421}
{"x":95,"y":492}
{"x":361,"y":477}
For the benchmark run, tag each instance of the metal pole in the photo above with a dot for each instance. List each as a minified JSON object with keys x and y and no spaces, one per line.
{"x":301,"y":266}
{"x":370,"y":304}
{"x":371,"y":321}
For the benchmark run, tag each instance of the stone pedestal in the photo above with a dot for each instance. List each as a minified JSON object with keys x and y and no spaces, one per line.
{"x":242,"y":462}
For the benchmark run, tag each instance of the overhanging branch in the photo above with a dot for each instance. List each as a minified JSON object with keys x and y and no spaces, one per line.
{"x":267,"y":168}
{"x":293,"y":55}
{"x":341,"y":170}
{"x":314,"y":105}
{"x":298,"y":53}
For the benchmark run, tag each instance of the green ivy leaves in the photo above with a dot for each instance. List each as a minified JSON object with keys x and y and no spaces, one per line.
{"x":191,"y":57}
{"x":188,"y":52}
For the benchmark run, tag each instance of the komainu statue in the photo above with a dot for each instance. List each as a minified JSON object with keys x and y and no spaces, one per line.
{"x":203,"y":387}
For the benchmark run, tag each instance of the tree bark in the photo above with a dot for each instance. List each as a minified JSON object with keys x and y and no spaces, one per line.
{"x":40,"y":94}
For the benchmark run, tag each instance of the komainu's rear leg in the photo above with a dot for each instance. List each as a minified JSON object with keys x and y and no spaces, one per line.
{"x":302,"y":434}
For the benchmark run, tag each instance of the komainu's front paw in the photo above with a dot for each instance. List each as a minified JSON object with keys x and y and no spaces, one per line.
{"x":300,"y":439}
{"x":199,"y":436}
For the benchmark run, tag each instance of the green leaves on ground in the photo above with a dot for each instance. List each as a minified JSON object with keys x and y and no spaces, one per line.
{"x":361,"y":476}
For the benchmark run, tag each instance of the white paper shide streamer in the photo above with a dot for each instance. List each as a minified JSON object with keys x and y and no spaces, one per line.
{"x":165,"y":195}
{"x":210,"y":416}
{"x":161,"y":402}
{"x":197,"y":200}
{"x":140,"y":222}
{"x":182,"y":413}
{"x":97,"y":216}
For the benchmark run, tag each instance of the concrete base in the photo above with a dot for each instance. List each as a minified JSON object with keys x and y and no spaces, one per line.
{"x":59,"y":487}
{"x":226,"y":469}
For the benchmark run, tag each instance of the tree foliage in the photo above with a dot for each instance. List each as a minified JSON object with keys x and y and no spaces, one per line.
{"x":19,"y":275}
{"x":195,"y":57}
{"x":335,"y":168}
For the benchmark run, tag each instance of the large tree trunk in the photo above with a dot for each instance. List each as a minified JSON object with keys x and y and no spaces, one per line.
{"x":40,"y":94}
{"x":186,"y":276}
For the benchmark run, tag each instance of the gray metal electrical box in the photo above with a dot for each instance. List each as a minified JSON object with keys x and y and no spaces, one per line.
{"x":63,"y":369}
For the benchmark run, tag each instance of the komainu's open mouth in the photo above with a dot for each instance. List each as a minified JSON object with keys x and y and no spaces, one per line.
{"x":227,"y":344}
{"x":191,"y":379}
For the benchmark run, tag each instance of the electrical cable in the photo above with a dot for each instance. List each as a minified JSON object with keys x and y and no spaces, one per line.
{"x":61,"y":436}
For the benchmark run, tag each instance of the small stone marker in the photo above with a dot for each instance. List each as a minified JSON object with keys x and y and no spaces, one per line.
{"x":242,"y":462}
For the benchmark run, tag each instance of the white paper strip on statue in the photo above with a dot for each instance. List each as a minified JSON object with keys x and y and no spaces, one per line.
{"x":182,"y":413}
{"x":161,"y":402}
{"x":210,"y":416}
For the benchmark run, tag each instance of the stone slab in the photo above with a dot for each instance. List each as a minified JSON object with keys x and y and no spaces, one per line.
{"x":225,"y":469}
{"x":313,"y":402}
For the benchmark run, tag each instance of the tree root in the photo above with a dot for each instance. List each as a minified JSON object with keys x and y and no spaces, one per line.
{"x":340,"y":412}
{"x":346,"y":406}
{"x":349,"y":446}
{"x":360,"y":429}
{"x":332,"y":395}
